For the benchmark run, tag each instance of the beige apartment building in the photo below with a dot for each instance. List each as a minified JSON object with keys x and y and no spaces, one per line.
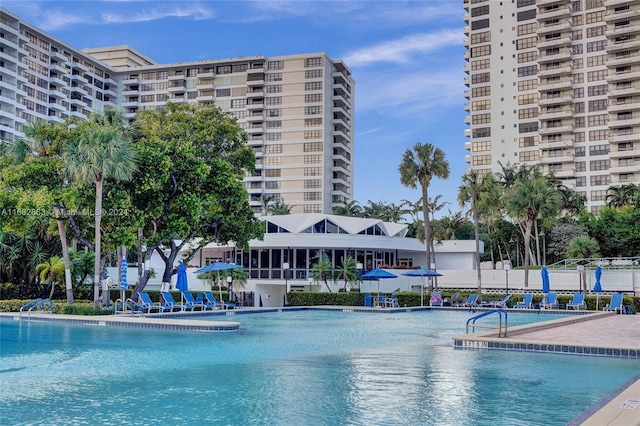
{"x":555,"y":82}
{"x":297,"y":110}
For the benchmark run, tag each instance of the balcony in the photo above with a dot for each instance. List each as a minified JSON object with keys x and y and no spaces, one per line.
{"x":548,"y":72}
{"x":563,"y":143}
{"x":207,"y":75}
{"x":631,"y":44}
{"x":613,"y":31}
{"x":566,"y":172}
{"x":631,"y":89}
{"x":566,"y":157}
{"x":558,"y":27}
{"x":623,"y":76}
{"x":616,"y":61}
{"x":623,"y":14}
{"x":467,"y":120}
{"x":467,"y":146}
{"x":624,"y":137}
{"x":625,"y":169}
{"x":559,"y":100}
{"x":467,"y":159}
{"x":467,"y":133}
{"x":566,"y":128}
{"x":205,"y":86}
{"x":564,"y":83}
{"x":565,"y":40}
{"x":560,"y":12}
{"x":555,"y":113}
{"x":630,"y":152}
{"x":624,"y":122}
{"x":615,"y":107}
{"x":564,"y":54}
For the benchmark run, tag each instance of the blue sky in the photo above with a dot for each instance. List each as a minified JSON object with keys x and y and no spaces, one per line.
{"x":406,"y":58}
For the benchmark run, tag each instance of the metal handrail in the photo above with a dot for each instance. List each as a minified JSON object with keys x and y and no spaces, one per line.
{"x":471,"y":322}
{"x":37,"y":303}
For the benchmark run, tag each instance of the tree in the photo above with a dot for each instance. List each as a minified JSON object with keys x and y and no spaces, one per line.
{"x":583,"y":247}
{"x":529,"y":199}
{"x":51,"y":272}
{"x":323,"y":271}
{"x":280,"y":208}
{"x":619,"y":196}
{"x":350,"y":271}
{"x":617,"y":230}
{"x":418,"y":166}
{"x":347,"y":208}
{"x":265,"y":201}
{"x":189,"y":183}
{"x":480,"y":192}
{"x":96,"y":154}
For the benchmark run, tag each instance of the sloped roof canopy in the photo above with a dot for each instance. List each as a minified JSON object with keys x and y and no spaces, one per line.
{"x":319,"y":223}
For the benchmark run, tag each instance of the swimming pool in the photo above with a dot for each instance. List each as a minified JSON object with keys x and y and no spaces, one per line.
{"x":292,"y":368}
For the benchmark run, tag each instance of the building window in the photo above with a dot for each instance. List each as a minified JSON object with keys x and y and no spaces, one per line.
{"x":274,"y":76}
{"x":525,"y":15}
{"x":484,"y":77}
{"x":313,"y":85}
{"x":598,"y":120}
{"x":581,"y":166}
{"x":313,"y":62}
{"x":527,"y":113}
{"x":275,"y":65}
{"x":223,"y":92}
{"x":313,"y":171}
{"x":275,"y":124}
{"x":273,"y":100}
{"x":527,"y":70}
{"x":527,"y":56}
{"x":480,"y":64}
{"x":479,"y":24}
{"x":599,"y":180}
{"x":483,"y":132}
{"x":481,"y":146}
{"x":312,"y":183}
{"x":313,"y":110}
{"x":596,"y":61}
{"x":596,"y":31}
{"x":312,"y":146}
{"x":312,"y":122}
{"x":275,"y":88}
{"x":313,"y":134}
{"x":274,"y":112}
{"x":480,"y":105}
{"x":481,"y":119}
{"x":272,"y":161}
{"x":599,"y":135}
{"x":312,"y":98}
{"x":581,"y":181}
{"x":312,"y":208}
{"x":596,"y":46}
{"x":593,"y":17}
{"x":529,"y":156}
{"x":529,"y":28}
{"x":599,"y":165}
{"x":480,"y":51}
{"x":480,"y":160}
{"x":531,"y":98}
{"x":272,"y":173}
{"x":483,"y":37}
{"x":238,"y":103}
{"x":313,"y":74}
{"x":273,"y":137}
{"x":599,"y":149}
{"x":479,"y":11}
{"x":527,"y":84}
{"x":275,"y":148}
{"x":526,"y":43}
{"x":527,"y":141}
{"x":312,"y":196}
{"x":580,"y":151}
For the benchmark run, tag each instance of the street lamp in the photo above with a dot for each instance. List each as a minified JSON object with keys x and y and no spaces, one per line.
{"x":286,"y":267}
{"x":229,"y":282}
{"x":507,"y":268}
{"x":310,"y":283}
{"x":359,"y":267}
{"x":580,"y":269}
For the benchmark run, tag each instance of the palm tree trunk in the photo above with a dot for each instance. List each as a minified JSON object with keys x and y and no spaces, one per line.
{"x":527,"y":257}
{"x":97,"y":271}
{"x":65,"y":255}
{"x":427,"y":226}
{"x":476,"y":230}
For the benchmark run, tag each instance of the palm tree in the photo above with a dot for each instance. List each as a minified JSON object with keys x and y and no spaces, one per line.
{"x":322,"y":271}
{"x":347,"y":208}
{"x":96,"y":154}
{"x":478,"y":191}
{"x":418,"y":166}
{"x":51,"y":271}
{"x":528,"y":200}
{"x":621,"y":195}
{"x":350,"y":271}
{"x":279,"y":208}
{"x":265,"y":199}
{"x":583,"y":247}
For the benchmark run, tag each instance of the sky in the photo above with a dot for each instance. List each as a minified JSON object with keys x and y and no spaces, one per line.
{"x":406,"y":58}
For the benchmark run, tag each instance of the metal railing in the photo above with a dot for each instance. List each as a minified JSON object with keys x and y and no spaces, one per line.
{"x":502,"y":331}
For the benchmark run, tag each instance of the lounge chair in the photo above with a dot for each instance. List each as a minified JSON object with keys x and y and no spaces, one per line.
{"x":577,"y":302}
{"x":213,"y":303}
{"x":147,"y":304}
{"x":615,"y":304}
{"x":392,"y":301}
{"x":192,"y":303}
{"x":472,"y":300}
{"x":550,"y":301}
{"x":169,"y":303}
{"x":435,"y":299}
{"x":527,"y":303}
{"x":497,"y":303}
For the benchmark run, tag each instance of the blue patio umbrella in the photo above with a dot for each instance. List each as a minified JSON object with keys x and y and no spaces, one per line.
{"x":545,"y":283}
{"x":123,"y":278}
{"x":422,"y":272}
{"x":597,"y":287}
{"x":378,"y":274}
{"x":217,"y":266}
{"x":181,"y":281}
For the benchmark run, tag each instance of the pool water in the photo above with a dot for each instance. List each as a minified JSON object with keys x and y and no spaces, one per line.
{"x":292,"y":368}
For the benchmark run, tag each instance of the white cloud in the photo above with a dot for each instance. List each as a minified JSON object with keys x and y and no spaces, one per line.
{"x":404,"y":49}
{"x":195,"y":11}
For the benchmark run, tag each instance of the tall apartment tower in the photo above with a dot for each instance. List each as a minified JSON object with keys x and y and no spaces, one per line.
{"x":557,"y":83}
{"x":297,"y":110}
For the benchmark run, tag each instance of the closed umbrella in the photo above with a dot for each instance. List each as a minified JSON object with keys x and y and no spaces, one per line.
{"x":378,"y":274}
{"x":181,"y":282}
{"x":123,"y":280}
{"x":545,"y":282}
{"x":597,"y":287}
{"x":217,"y":267}
{"x":422,"y":272}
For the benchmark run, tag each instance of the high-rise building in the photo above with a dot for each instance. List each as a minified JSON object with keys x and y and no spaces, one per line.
{"x":297,"y":110}
{"x":555,"y":82}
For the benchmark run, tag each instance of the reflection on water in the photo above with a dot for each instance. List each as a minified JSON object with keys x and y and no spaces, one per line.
{"x":290,"y":369}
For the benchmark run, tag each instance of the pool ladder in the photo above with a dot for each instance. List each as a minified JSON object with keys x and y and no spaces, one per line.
{"x":502,"y":331}
{"x":38,"y":303}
